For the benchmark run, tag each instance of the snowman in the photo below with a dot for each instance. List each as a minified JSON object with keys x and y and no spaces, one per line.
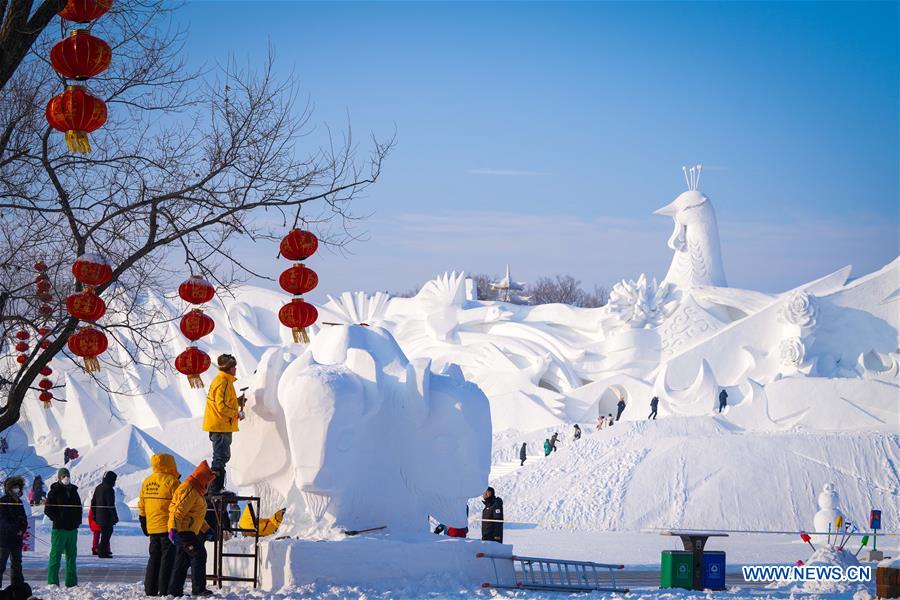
{"x":828,"y":512}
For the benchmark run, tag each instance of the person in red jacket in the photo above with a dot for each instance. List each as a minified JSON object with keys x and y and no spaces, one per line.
{"x":95,"y":529}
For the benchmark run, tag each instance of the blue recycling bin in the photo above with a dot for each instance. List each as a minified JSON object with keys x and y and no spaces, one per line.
{"x":713,"y":572}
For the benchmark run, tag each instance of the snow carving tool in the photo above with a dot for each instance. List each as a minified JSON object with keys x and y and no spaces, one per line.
{"x":359,"y":531}
{"x":805,"y":537}
{"x":863,"y":542}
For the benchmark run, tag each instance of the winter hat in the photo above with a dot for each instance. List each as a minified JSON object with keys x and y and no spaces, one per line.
{"x":226,"y":361}
{"x":12,"y":482}
{"x":64,"y":472}
{"x":110,"y":478}
{"x":202,"y":477}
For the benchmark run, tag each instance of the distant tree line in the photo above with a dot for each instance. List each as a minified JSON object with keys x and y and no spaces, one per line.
{"x":563,"y":289}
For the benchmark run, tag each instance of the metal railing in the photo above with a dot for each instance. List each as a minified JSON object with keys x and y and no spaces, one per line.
{"x":551,"y":574}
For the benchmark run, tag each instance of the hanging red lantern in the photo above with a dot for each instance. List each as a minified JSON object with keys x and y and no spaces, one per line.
{"x":21,"y":359}
{"x":45,"y":397}
{"x":22,"y":335}
{"x":86,"y":306}
{"x":45,"y":296}
{"x":298,"y":280}
{"x":43,"y":330}
{"x":45,"y":344}
{"x":298,"y":315}
{"x":40,"y":266}
{"x":77,"y":113}
{"x":92,"y":270}
{"x":21,"y":347}
{"x":83,"y":11}
{"x":45,"y":309}
{"x":298,"y":245}
{"x":89,"y":343}
{"x":80,"y":56}
{"x":193,"y":362}
{"x":196,"y":290}
{"x":195,"y":325}
{"x":46,"y":371}
{"x":43,"y":286}
{"x":45,"y":384}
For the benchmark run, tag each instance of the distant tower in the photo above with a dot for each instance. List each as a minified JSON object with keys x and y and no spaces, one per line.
{"x":695,"y":240}
{"x":506,"y":288}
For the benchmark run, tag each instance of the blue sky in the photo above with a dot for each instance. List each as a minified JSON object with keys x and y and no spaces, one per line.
{"x":545,"y":134}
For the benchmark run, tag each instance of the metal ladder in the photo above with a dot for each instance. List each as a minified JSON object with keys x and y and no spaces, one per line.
{"x":555,"y":575}
{"x":223,"y":522}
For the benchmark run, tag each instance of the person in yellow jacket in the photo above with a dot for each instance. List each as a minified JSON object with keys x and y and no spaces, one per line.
{"x":223,"y":411}
{"x":187,"y":519}
{"x":153,"y":511}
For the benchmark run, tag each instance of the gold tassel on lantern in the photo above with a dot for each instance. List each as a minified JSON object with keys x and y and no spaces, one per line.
{"x":300,"y":335}
{"x":91,"y":364}
{"x":195,"y":381}
{"x":78,"y":142}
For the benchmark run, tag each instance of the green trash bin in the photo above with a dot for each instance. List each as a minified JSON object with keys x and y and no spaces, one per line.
{"x":677,"y":569}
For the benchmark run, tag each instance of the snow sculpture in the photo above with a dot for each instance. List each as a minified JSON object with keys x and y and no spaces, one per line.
{"x":695,"y":239}
{"x":792,"y":351}
{"x":801,"y":310}
{"x":640,"y":304}
{"x":506,"y":288}
{"x":828,"y":511}
{"x":367,"y":437}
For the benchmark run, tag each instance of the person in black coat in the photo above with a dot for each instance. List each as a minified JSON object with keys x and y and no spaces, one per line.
{"x":492,"y":517}
{"x":13,"y":525}
{"x":553,"y":439}
{"x":723,"y":400}
{"x":654,"y":402}
{"x":577,"y":435}
{"x":620,"y":408}
{"x":104,"y":506}
{"x":523,"y":454}
{"x":64,"y":509}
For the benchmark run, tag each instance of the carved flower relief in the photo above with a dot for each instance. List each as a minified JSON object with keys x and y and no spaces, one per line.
{"x":801,"y":310}
{"x":791,"y":351}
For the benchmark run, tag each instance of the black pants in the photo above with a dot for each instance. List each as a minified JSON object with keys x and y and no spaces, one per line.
{"x":103,"y":547}
{"x":183,"y":560}
{"x":159,"y":565}
{"x":15,"y":559}
{"x":521,"y":462}
{"x":619,"y":413}
{"x":722,"y":406}
{"x":652,"y":413}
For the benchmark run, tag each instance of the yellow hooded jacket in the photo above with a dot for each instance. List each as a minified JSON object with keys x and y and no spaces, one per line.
{"x":156,"y":493}
{"x":188,"y":509}
{"x":221,"y":414}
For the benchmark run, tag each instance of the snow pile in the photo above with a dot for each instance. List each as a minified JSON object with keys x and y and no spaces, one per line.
{"x":701,"y":473}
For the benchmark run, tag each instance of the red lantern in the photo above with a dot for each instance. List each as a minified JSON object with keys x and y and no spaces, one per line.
{"x":298,"y":245}
{"x":43,"y":330}
{"x":82,"y":11}
{"x":21,"y":359}
{"x":77,"y":113}
{"x":80,"y":56}
{"x":45,"y":297}
{"x":45,"y":384}
{"x":45,"y":397}
{"x":92,"y":270}
{"x":89,"y":343}
{"x":298,"y":315}
{"x":193,"y":362}
{"x":298,"y":280}
{"x":45,"y":309}
{"x":45,"y":344}
{"x":196,"y":290}
{"x":46,"y":371}
{"x":21,"y":347}
{"x":86,"y":306}
{"x":43,"y":286}
{"x":40,"y":266}
{"x":195,"y":325}
{"x":22,"y":335}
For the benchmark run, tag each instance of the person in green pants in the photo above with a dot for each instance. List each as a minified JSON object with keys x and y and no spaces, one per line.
{"x":64,"y":509}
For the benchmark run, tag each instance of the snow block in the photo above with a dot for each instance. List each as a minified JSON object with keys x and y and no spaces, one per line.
{"x":368,"y":561}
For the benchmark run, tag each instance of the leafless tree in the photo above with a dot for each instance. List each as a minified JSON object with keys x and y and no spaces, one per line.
{"x":565,"y":289}
{"x":21,"y":23}
{"x":186,"y":165}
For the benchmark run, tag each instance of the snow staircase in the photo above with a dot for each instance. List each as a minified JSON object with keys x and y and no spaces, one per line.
{"x":505,"y":468}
